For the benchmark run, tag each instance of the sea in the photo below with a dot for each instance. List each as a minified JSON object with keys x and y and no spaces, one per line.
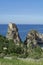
{"x":23,"y":29}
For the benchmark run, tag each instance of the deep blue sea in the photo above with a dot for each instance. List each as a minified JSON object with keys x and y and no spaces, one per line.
{"x":23,"y":29}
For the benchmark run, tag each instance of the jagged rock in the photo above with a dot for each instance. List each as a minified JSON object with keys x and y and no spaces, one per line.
{"x":13,"y":33}
{"x":34,"y":37}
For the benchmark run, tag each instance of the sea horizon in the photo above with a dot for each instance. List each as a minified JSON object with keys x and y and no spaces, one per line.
{"x":23,"y":29}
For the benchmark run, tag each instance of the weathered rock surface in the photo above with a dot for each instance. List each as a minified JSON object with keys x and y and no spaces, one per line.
{"x":13,"y":33}
{"x":34,"y":37}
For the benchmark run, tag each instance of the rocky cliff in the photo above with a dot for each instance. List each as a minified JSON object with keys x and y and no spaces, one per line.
{"x":13,"y":33}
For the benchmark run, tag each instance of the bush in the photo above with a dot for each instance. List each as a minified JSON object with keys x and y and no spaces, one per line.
{"x":19,"y":50}
{"x":35,"y":52}
{"x":11,"y":46}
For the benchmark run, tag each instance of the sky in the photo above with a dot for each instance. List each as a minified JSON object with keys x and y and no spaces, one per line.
{"x":21,"y":11}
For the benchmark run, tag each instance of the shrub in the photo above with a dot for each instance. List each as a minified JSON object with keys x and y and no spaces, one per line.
{"x":35,"y":52}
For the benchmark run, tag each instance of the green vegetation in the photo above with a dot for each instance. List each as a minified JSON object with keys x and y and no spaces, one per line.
{"x":8,"y":47}
{"x":34,"y":52}
{"x":20,"y":62}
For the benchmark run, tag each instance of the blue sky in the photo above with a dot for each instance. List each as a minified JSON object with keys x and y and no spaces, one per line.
{"x":21,"y":11}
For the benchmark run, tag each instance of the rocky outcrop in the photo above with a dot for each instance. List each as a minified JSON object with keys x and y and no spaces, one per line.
{"x":13,"y":33}
{"x":34,"y":37}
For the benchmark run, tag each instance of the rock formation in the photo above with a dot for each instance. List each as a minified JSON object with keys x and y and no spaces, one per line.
{"x":34,"y":37}
{"x":13,"y":33}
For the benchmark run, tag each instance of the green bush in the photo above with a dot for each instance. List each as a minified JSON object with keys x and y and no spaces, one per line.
{"x":19,"y":50}
{"x":11,"y":46}
{"x":35,"y":52}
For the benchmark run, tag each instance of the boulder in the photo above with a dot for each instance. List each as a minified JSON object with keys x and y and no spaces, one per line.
{"x":33,"y":37}
{"x":13,"y":33}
